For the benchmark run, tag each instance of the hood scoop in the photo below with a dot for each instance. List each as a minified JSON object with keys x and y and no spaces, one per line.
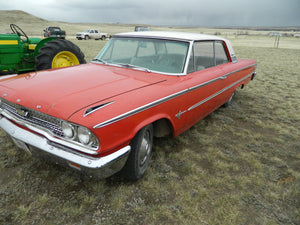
{"x":95,"y":108}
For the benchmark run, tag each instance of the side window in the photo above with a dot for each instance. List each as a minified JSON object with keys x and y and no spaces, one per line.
{"x":203,"y":55}
{"x":207,"y":54}
{"x":221,"y":56}
{"x":96,"y":31}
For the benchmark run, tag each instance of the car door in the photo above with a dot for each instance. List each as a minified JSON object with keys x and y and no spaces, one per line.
{"x":205,"y":81}
{"x":96,"y":35}
{"x":92,"y":34}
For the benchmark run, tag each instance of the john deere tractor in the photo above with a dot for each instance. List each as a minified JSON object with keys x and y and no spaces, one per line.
{"x":19,"y":54}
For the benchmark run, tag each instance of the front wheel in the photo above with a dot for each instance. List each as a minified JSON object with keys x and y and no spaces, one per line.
{"x":138,"y":160}
{"x":58,"y":53}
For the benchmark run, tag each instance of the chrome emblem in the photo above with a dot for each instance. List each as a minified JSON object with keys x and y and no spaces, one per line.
{"x":23,"y":112}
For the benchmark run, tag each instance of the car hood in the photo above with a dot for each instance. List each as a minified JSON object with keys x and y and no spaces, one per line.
{"x":62,"y":92}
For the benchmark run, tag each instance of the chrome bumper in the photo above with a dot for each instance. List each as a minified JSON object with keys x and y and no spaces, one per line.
{"x":101,"y":167}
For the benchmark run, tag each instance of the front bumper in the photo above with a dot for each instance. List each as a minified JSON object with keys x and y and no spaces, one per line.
{"x":101,"y":167}
{"x":58,"y":35}
{"x":79,"y":35}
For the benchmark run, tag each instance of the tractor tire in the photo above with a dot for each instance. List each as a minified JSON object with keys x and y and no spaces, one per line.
{"x":58,"y":53}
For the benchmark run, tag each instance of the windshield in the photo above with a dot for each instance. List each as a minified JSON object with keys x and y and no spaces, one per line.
{"x":164,"y":56}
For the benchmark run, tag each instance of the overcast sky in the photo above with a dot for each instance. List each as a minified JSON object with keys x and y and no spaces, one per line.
{"x":165,"y":12}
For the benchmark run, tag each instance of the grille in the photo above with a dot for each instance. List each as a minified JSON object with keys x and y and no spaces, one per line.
{"x":34,"y":117}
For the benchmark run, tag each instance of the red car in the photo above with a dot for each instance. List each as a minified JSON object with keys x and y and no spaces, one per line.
{"x":101,"y":117}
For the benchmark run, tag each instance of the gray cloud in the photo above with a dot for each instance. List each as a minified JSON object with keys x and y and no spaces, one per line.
{"x":167,"y":12}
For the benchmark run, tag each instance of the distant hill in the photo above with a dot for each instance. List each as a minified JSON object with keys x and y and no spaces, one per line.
{"x":18,"y":16}
{"x":23,"y":19}
{"x":34,"y":26}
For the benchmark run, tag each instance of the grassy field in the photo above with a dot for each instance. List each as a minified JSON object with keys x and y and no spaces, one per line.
{"x":239,"y":165}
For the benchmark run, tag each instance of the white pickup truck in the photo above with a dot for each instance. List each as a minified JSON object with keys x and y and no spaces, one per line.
{"x":91,"y":34}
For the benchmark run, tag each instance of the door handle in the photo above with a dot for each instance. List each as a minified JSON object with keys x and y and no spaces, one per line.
{"x":223,"y":77}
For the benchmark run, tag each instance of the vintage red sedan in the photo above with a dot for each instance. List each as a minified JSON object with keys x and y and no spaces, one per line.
{"x":101,"y":117}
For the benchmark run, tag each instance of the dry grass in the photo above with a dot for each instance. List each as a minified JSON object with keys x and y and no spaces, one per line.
{"x":240,"y":165}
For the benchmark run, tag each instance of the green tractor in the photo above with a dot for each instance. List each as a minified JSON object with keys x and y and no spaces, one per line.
{"x":20,"y":54}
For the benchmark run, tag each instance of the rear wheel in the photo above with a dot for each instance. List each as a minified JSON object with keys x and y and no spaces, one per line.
{"x":58,"y":53}
{"x":138,"y":160}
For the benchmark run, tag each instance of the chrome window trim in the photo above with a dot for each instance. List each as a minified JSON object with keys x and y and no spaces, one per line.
{"x":187,"y":61}
{"x":165,"y":99}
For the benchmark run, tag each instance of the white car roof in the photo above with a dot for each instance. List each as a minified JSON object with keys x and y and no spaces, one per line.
{"x":174,"y":35}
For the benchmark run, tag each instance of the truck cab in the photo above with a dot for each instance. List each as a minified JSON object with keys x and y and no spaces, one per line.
{"x":91,"y":34}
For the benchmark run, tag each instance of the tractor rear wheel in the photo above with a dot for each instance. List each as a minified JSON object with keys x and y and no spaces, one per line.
{"x":58,"y":53}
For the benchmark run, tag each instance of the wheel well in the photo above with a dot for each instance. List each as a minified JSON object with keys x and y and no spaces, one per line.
{"x":162,"y":128}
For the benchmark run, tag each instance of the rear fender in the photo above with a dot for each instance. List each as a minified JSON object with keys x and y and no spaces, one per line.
{"x":42,"y":44}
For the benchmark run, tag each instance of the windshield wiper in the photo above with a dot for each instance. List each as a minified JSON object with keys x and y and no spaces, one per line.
{"x":100,"y":60}
{"x":130,"y":66}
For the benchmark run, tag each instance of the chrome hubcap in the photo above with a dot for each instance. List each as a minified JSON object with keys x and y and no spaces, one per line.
{"x":145,"y":149}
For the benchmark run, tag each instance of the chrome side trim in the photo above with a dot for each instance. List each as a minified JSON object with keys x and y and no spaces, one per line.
{"x":221,"y":77}
{"x":165,"y":99}
{"x":140,"y":109}
{"x":216,"y":94}
{"x":43,"y":144}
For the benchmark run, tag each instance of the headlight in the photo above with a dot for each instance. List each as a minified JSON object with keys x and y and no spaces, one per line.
{"x":79,"y":135}
{"x":84,"y":135}
{"x":68,"y":129}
